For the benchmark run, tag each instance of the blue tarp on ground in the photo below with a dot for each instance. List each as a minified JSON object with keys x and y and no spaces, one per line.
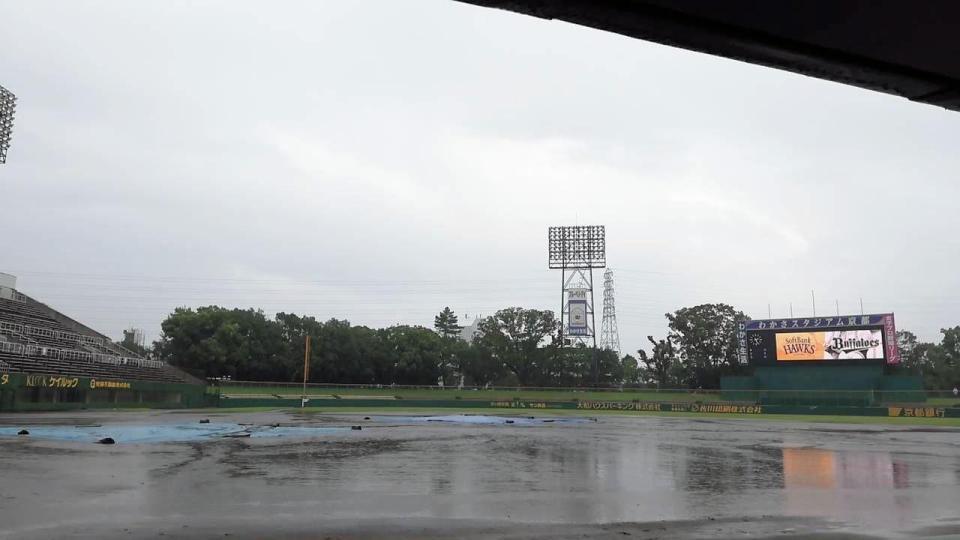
{"x":160,"y":433}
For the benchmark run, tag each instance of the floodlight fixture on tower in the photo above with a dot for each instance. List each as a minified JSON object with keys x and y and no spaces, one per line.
{"x":8,"y":104}
{"x":576,"y":251}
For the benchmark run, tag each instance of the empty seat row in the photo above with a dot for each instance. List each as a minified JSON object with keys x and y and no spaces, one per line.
{"x":28,"y":314}
{"x":54,"y":366}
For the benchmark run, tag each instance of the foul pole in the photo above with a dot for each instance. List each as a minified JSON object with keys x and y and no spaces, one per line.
{"x":306,"y":370}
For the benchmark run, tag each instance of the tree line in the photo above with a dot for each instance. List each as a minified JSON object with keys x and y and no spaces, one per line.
{"x":937,"y":363}
{"x":513,"y":347}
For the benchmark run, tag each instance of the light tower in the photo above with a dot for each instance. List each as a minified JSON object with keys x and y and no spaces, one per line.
{"x":609,"y":334}
{"x":576,"y":251}
{"x":8,"y":103}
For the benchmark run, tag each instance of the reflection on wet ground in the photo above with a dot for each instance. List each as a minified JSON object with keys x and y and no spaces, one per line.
{"x":711,"y":473}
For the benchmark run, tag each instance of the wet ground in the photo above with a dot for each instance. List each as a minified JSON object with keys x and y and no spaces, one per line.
{"x":312,"y":476}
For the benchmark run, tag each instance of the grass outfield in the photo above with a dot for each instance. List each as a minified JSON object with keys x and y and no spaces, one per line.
{"x":552,"y":395}
{"x":806,"y":418}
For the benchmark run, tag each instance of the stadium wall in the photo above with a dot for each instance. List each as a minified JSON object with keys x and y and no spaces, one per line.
{"x":599,"y":405}
{"x":33,"y":392}
{"x":849,"y":385}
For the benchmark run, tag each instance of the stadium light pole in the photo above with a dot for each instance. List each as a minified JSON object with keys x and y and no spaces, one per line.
{"x":8,"y":104}
{"x":576,"y":251}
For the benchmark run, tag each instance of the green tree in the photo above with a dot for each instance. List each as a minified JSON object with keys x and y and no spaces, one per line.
{"x":448,"y":327}
{"x":339,"y":354}
{"x":517,"y":338}
{"x":567,"y":366}
{"x":610,"y":368}
{"x":937,"y":363}
{"x":416,"y":352}
{"x":661,"y":366}
{"x":951,"y":344}
{"x":479,"y":365}
{"x":908,"y":344}
{"x":447,"y":324}
{"x":915,"y":356}
{"x":631,"y":371}
{"x":934,"y":366}
{"x":944,"y":361}
{"x":706,"y":338}
{"x":241,"y":344}
{"x":585,"y":366}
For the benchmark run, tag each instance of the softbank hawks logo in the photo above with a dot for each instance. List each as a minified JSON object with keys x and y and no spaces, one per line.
{"x":799,"y":345}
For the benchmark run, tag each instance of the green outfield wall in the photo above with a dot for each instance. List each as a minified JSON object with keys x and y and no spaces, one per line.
{"x":36,"y":392}
{"x":598,"y":405}
{"x":823,"y":385}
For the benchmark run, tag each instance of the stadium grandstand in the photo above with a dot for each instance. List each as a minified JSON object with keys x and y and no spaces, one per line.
{"x":50,"y":361}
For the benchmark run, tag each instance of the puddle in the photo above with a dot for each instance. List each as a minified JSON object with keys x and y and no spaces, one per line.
{"x":479,"y":419}
{"x":161,"y":433}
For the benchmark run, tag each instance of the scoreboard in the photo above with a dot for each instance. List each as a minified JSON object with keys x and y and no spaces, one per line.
{"x":849,"y":339}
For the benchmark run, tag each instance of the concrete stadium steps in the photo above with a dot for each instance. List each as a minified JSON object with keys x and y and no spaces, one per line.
{"x":22,"y":309}
{"x":29,"y":315}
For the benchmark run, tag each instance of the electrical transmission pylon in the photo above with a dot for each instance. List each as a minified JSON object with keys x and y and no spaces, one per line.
{"x":609,"y":334}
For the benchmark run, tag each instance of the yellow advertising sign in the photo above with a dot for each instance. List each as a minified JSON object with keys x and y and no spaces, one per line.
{"x":800,"y":346}
{"x":929,"y":412}
{"x":94,"y":384}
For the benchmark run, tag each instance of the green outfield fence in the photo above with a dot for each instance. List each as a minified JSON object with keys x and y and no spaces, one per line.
{"x":888,"y":394}
{"x":44,"y":392}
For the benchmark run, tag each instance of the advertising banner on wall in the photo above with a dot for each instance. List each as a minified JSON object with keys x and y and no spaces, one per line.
{"x":890,"y":331}
{"x":830,"y":345}
{"x":577,"y":313}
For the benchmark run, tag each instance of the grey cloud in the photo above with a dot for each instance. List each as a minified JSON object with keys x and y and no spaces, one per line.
{"x":377,"y":161}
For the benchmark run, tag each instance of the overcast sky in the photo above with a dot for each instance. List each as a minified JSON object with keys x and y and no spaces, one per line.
{"x":377,"y":161}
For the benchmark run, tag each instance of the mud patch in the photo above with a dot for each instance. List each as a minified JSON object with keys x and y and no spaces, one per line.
{"x":481,"y":420}
{"x":244,"y":460}
{"x":951,"y":531}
